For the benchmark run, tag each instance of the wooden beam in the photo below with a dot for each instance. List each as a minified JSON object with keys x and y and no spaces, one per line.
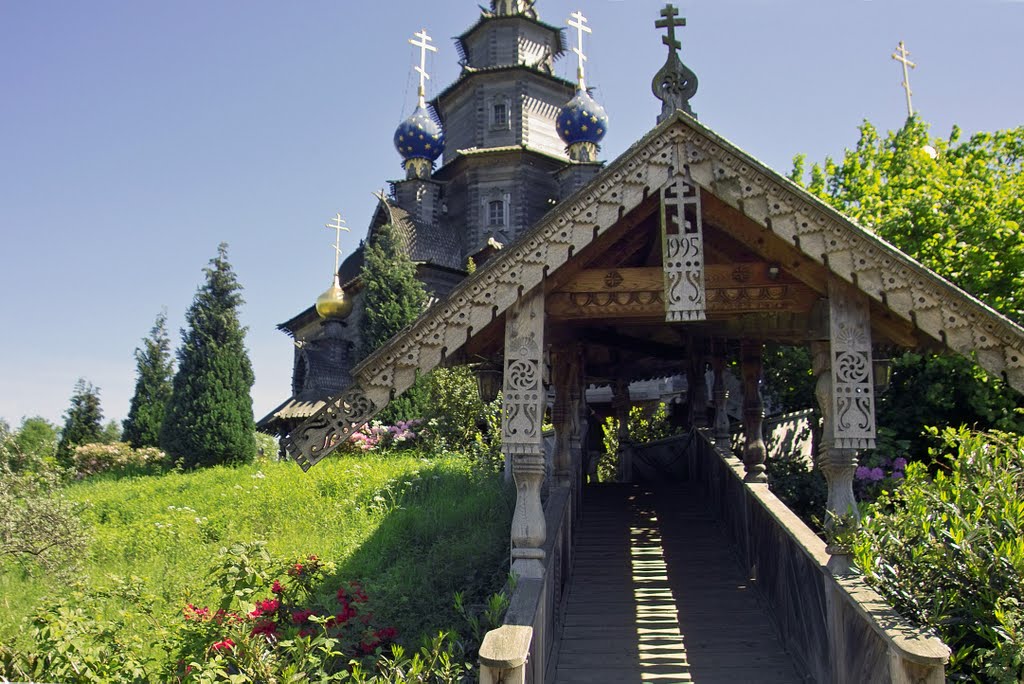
{"x":639,"y":292}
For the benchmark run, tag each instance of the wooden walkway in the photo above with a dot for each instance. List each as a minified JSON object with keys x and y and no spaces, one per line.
{"x":658,"y":596}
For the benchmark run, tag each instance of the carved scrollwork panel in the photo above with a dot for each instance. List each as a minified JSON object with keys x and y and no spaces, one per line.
{"x":329,"y":427}
{"x":523,"y":389}
{"x":853,"y":393}
{"x":683,"y":251}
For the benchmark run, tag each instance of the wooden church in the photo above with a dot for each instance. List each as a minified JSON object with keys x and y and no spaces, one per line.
{"x":683,"y":254}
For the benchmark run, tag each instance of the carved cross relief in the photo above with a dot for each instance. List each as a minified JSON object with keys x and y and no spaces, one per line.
{"x":682,"y":237}
{"x":853,"y":395}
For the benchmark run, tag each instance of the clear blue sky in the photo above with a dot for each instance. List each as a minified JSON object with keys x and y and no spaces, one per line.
{"x":136,"y":136}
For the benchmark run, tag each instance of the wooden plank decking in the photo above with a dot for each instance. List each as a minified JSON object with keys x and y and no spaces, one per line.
{"x":658,"y":596}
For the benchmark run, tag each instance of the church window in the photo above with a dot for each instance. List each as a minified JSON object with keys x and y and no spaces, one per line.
{"x":496,"y":213}
{"x":500,"y":115}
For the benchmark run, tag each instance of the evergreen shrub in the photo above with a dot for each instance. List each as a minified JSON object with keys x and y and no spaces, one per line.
{"x":947,"y":550}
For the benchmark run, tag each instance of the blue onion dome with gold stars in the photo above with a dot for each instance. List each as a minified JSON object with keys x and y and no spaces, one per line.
{"x":582,"y":119}
{"x":419,"y":137}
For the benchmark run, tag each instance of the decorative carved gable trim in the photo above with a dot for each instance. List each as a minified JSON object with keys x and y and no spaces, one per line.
{"x":886,"y":275}
{"x":882,"y":272}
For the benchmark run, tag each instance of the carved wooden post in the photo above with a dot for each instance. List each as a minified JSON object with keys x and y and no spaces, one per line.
{"x":621,"y":405}
{"x":565,"y":413}
{"x":523,"y":397}
{"x":845,"y":394}
{"x":698,"y":387}
{"x":753,"y":411}
{"x":721,"y":395}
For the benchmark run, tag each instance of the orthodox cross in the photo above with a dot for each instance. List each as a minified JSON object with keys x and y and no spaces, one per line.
{"x":337,"y":224}
{"x":675,"y":83}
{"x":901,"y":56}
{"x":579,"y":22}
{"x":423,"y":44}
{"x":670,"y":22}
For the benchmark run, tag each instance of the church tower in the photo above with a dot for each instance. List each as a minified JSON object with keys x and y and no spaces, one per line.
{"x":499,"y":117}
{"x":512,"y":140}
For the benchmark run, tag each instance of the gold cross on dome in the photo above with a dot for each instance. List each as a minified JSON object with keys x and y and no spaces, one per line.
{"x":901,"y":56}
{"x":423,"y":44}
{"x":670,"y":22}
{"x":579,"y":22}
{"x":337,"y":224}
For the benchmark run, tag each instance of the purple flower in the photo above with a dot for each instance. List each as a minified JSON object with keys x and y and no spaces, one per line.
{"x":862,"y":473}
{"x":899,"y":464}
{"x":897,"y":475}
{"x":876,"y":475}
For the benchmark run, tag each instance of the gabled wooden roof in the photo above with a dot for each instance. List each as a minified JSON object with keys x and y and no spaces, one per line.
{"x":785,"y":218}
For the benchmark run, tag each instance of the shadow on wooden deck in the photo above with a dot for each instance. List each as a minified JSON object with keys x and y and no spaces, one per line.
{"x":657,"y":595}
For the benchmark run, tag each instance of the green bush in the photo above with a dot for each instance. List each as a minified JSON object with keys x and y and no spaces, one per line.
{"x":647,"y":423}
{"x":948,"y":551}
{"x":39,"y":528}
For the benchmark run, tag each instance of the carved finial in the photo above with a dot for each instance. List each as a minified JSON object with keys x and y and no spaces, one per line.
{"x":901,"y":55}
{"x":337,"y":224}
{"x":423,"y":44}
{"x":674,"y":84}
{"x":579,"y":22}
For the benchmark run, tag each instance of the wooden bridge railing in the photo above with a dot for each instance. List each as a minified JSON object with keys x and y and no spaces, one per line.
{"x":518,"y":652}
{"x":837,"y":627}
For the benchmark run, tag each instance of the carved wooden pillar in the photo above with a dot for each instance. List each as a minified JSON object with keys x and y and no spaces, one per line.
{"x":565,"y":414}
{"x":523,"y":412}
{"x":621,"y":405}
{"x":720,"y":394}
{"x":845,"y":394}
{"x":698,"y":386}
{"x":753,"y":411}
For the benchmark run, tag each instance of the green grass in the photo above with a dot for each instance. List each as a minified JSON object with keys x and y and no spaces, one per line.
{"x":414,"y":530}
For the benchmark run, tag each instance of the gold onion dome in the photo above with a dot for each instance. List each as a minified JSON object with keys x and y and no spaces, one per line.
{"x":333,"y":304}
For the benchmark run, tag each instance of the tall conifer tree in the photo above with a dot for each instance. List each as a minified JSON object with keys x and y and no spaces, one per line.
{"x":83,"y":422}
{"x":209,"y":417}
{"x":155,"y":371}
{"x":392,"y":299}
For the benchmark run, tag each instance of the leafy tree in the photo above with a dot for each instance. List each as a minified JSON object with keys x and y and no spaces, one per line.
{"x":155,"y":371}
{"x":958,"y":207}
{"x":392,"y":299}
{"x":392,"y":296}
{"x":83,"y":422}
{"x":37,"y":437}
{"x":209,"y":416}
{"x":955,"y":206}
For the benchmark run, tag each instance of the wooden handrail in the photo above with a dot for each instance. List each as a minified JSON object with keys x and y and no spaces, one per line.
{"x":506,"y":647}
